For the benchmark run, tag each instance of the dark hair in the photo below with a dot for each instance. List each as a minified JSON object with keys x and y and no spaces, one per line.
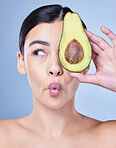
{"x":44,"y":14}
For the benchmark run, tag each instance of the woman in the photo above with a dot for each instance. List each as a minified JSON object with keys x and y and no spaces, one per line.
{"x":54,"y":121}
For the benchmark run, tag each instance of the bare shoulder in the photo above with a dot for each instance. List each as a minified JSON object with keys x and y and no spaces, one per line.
{"x":6,"y":126}
{"x":4,"y":133}
{"x":102,"y":133}
{"x":108,"y":127}
{"x":106,"y":133}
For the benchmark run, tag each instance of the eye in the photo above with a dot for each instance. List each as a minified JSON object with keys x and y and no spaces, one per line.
{"x":39,"y":52}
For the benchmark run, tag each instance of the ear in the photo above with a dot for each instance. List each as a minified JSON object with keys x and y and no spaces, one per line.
{"x":20,"y":64}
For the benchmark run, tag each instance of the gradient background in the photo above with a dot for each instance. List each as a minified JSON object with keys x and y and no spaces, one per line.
{"x":15,"y":92}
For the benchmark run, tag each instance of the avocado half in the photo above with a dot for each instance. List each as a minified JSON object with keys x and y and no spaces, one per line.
{"x":74,"y":49}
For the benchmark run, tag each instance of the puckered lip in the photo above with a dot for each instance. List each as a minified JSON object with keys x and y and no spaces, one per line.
{"x":55,"y":86}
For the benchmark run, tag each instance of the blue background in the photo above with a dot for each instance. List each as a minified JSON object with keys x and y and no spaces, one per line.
{"x":15,"y":92}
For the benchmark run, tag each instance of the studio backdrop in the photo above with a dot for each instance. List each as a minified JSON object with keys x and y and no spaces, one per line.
{"x":15,"y":92}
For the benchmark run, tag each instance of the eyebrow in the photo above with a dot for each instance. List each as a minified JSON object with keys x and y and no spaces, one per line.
{"x":39,"y":42}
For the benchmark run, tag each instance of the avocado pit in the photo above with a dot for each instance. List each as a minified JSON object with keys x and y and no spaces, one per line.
{"x":74,"y":52}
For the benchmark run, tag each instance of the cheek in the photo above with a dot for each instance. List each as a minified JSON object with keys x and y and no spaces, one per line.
{"x":35,"y":72}
{"x":71,"y":83}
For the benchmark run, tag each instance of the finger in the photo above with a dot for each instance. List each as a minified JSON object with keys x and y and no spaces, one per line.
{"x":88,"y":78}
{"x":94,"y":55}
{"x":97,"y":40}
{"x":95,"y":48}
{"x":110,"y":34}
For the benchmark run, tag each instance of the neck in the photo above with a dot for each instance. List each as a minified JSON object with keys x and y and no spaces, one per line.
{"x":53,"y":122}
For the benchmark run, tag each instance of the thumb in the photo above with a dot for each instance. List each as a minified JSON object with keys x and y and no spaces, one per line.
{"x":87,"y":78}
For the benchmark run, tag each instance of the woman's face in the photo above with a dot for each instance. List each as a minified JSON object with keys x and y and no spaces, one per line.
{"x":43,"y":66}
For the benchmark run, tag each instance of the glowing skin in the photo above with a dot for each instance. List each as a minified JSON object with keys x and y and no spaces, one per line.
{"x":42,"y":69}
{"x":54,"y":120}
{"x":53,"y":116}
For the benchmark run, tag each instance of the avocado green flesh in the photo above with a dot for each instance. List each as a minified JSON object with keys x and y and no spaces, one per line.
{"x":73,"y":30}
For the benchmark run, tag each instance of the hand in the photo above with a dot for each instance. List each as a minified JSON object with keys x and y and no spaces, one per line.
{"x":104,"y":58}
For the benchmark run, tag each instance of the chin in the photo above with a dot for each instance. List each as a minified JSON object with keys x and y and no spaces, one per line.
{"x":56,"y":103}
{"x":55,"y":106}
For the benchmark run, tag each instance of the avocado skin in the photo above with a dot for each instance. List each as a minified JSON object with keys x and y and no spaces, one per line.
{"x":73,"y":30}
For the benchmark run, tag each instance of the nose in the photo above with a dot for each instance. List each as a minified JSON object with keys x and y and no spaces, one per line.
{"x":55,"y":68}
